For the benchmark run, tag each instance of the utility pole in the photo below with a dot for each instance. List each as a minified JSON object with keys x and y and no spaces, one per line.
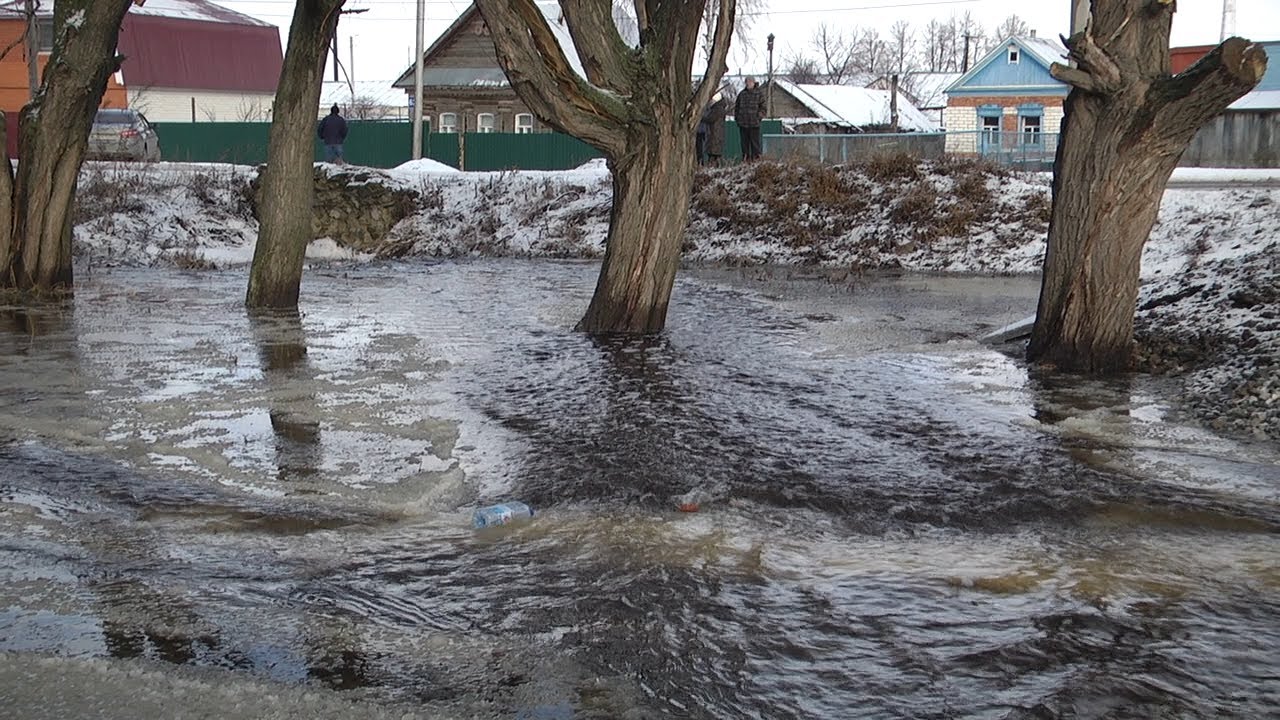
{"x":1079,"y":15}
{"x":417,"y":81}
{"x":768,"y":93}
{"x":33,"y":51}
{"x":893,"y":103}
{"x":964,"y":64}
{"x":351,"y":69}
{"x":1228,"y":19}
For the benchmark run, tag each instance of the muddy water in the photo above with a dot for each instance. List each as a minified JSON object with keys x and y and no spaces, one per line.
{"x":245,"y":516}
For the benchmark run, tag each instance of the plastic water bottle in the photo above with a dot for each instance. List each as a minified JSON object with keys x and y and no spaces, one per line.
{"x":503,"y":514}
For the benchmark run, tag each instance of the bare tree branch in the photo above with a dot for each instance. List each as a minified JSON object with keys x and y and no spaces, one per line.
{"x":539,"y":71}
{"x":605,"y":56}
{"x":1186,"y":101}
{"x":716,"y":66}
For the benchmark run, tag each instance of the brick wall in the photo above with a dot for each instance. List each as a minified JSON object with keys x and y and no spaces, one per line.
{"x":1005,"y":100}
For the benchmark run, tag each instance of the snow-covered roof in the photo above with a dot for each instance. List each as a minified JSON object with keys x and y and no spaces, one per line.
{"x":846,"y":106}
{"x":377,"y":92}
{"x":1048,"y":51}
{"x":1258,"y":100}
{"x":200,"y":10}
{"x":930,"y":89}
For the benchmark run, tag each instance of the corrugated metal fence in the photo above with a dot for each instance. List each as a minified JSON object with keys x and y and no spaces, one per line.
{"x":388,"y":144}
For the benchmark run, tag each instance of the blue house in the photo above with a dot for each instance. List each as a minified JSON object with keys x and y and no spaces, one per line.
{"x":1008,"y":104}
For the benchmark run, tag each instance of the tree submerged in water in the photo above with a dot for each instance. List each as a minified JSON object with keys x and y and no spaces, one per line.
{"x":637,"y":105}
{"x":1127,"y":121}
{"x":53,"y":138}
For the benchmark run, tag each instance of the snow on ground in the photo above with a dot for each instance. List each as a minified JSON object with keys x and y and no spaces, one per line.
{"x":1209,"y":307}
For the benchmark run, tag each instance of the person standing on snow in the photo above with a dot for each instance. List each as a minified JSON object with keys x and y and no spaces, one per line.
{"x":333,"y":133}
{"x":714,"y":119}
{"x":748,"y":109}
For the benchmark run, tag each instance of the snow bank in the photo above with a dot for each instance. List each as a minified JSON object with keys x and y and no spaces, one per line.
{"x":423,"y":166}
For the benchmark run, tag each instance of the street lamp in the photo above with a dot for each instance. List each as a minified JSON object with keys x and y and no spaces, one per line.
{"x":768,"y":93}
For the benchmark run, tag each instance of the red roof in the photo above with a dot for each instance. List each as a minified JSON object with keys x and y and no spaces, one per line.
{"x":167,"y":52}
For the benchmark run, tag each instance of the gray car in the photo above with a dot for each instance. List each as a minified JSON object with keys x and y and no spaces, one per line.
{"x":123,"y":135}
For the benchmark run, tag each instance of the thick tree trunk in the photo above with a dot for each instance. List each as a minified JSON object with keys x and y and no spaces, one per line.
{"x":35,"y":242}
{"x":639,"y":108}
{"x":288,"y":183}
{"x":1126,"y":124}
{"x":651,"y":186}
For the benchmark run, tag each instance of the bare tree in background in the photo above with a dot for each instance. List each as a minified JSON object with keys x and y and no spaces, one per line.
{"x":1012,"y":26}
{"x":901,"y":47}
{"x":366,"y":107}
{"x":743,"y":21}
{"x":934,"y":46}
{"x":835,"y":51}
{"x":803,"y":70}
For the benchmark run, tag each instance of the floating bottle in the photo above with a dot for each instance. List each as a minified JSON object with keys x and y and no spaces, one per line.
{"x":503,"y":514}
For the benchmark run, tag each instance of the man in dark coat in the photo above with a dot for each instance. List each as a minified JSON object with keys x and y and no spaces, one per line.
{"x":714,"y":118}
{"x":333,"y":133}
{"x":747,"y":111}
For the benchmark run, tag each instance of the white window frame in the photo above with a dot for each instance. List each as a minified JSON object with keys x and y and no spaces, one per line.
{"x":524,"y":123}
{"x":1034,"y":137}
{"x":449,"y":123}
{"x":480,"y":122}
{"x":1015,"y":55}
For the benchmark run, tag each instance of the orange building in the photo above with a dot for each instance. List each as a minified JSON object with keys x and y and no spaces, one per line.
{"x":14,"y":90}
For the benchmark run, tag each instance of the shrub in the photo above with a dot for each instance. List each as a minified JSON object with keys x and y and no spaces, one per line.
{"x":917,"y":206}
{"x":893,"y":166}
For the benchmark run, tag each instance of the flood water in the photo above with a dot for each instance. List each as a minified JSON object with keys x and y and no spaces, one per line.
{"x":212,"y":510}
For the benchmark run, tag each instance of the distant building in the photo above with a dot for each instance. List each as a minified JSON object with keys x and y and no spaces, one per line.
{"x":464,"y":88}
{"x":185,"y":60}
{"x":840,"y":109}
{"x":1246,"y":135}
{"x":1008,"y":101}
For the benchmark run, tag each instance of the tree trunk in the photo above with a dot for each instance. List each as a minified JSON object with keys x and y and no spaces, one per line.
{"x":639,"y":108}
{"x":35,"y":238}
{"x":1126,"y":123}
{"x":288,"y":183}
{"x":647,"y":224}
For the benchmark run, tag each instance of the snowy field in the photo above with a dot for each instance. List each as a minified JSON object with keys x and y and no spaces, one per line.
{"x":1209,"y":306}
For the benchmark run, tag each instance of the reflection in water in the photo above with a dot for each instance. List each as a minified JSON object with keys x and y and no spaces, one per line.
{"x":282,"y":347}
{"x":895,"y":527}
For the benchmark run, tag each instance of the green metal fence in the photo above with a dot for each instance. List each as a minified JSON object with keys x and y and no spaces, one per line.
{"x":388,"y":144}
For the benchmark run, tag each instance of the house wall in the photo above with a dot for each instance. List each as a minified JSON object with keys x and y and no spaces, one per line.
{"x":468,"y":103}
{"x":14,"y":92}
{"x":784,"y":105}
{"x":174,"y":105}
{"x":469,"y":47}
{"x":962,"y":120}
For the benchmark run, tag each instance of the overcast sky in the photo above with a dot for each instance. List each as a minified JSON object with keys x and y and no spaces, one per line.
{"x":383,"y":36}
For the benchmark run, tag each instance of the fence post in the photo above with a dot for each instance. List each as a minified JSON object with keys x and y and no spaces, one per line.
{"x":462,"y":151}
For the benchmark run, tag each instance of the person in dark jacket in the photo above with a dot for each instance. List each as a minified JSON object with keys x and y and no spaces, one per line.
{"x":747,"y":111}
{"x":714,"y":118}
{"x":333,"y":133}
